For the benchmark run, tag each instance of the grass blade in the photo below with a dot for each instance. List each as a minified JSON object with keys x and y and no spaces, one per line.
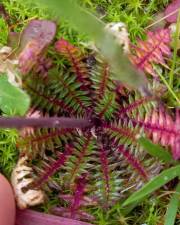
{"x":173,"y":207}
{"x":155,"y":150}
{"x":152,"y":185}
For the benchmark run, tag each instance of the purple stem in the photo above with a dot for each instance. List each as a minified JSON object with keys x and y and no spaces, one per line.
{"x":48,"y":122}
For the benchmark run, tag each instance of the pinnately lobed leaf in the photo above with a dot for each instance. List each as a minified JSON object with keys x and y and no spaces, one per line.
{"x":51,"y":169}
{"x":78,"y":194}
{"x":162,"y":129}
{"x":13,"y":100}
{"x":159,"y":125}
{"x":75,"y":56}
{"x":76,"y":201}
{"x":151,"y":51}
{"x":176,"y":149}
{"x":133,"y":161}
{"x":160,"y":180}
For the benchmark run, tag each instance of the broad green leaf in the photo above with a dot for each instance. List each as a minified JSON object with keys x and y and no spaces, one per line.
{"x":155,"y":150}
{"x":94,"y":28}
{"x":172,"y":209}
{"x":12,"y":99}
{"x":154,"y":184}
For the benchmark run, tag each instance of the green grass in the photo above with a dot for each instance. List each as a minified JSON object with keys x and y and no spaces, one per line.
{"x":3,"y":31}
{"x":8,"y":151}
{"x":150,"y":212}
{"x":135,"y":13}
